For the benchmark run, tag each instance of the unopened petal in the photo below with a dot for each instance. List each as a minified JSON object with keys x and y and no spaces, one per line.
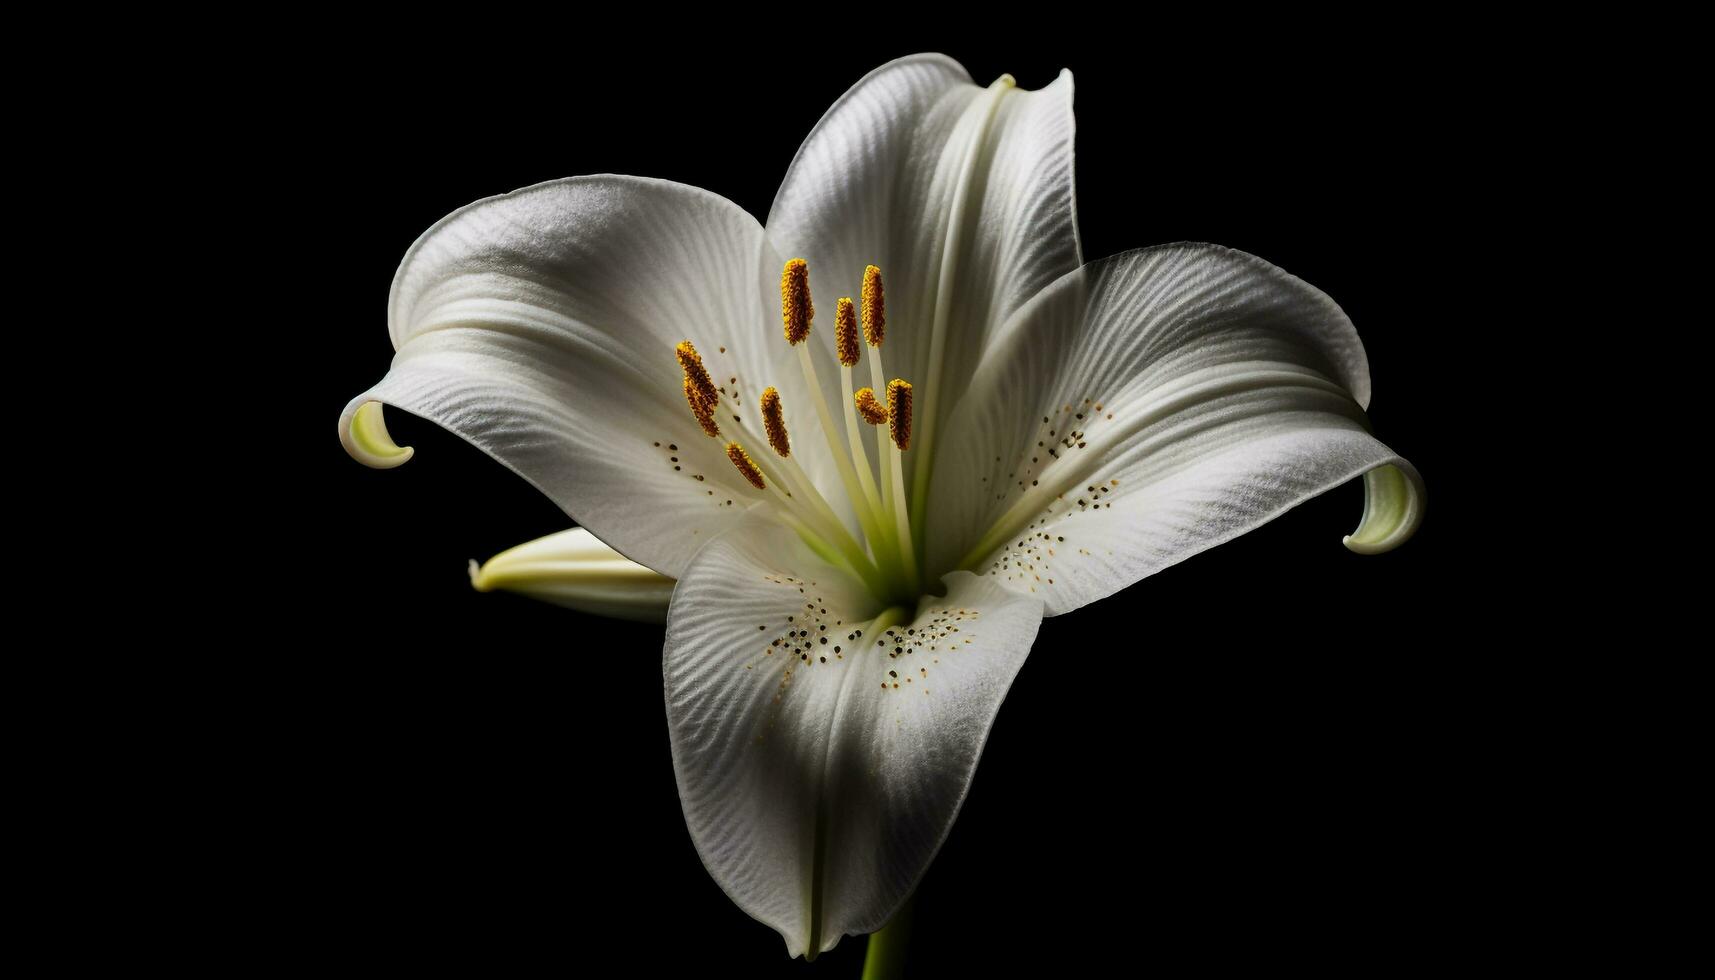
{"x":575,"y":569}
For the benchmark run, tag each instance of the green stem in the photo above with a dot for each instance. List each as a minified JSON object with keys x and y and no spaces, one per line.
{"x":886,"y":957}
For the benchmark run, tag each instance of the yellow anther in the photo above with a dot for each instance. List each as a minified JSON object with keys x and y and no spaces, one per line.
{"x":700,"y":391}
{"x":745,"y":464}
{"x":899,"y":412}
{"x":774,"y":422}
{"x":846,"y":332}
{"x":795,"y":308}
{"x":873,"y":411}
{"x":874,"y":307}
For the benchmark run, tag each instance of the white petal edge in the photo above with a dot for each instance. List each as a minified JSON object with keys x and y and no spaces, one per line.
{"x":1153,"y":405}
{"x":573,"y":568}
{"x":815,"y":797}
{"x":540,"y":325}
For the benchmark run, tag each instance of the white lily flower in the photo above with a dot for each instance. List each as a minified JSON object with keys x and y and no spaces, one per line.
{"x":854,"y":596}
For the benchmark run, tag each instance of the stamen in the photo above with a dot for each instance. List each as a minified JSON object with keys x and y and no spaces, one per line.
{"x":874,"y":307}
{"x":796,"y":310}
{"x":860,"y":462}
{"x":774,"y":422}
{"x":899,"y":412}
{"x":803,"y":506}
{"x":746,"y":465}
{"x":899,"y":416}
{"x":872,"y":410}
{"x":700,"y":392}
{"x":704,"y":412}
{"x":846,"y":331}
{"x":695,"y":373}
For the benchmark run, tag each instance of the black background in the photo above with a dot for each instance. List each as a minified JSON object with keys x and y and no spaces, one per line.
{"x":1277,"y":752}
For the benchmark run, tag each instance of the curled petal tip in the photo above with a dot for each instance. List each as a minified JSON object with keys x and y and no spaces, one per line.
{"x":363,"y":433}
{"x":1393,"y":508}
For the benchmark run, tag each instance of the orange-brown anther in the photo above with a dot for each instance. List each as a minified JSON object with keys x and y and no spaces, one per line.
{"x":846,"y":332}
{"x":692,"y":362}
{"x":899,"y":412}
{"x":746,"y":465}
{"x":796,"y":310}
{"x":700,"y":391}
{"x":874,"y":307}
{"x":774,"y":422}
{"x":704,"y":412}
{"x":873,"y":411}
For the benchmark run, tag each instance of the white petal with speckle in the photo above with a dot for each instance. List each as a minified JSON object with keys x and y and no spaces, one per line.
{"x":1150,"y":406}
{"x":820,"y":769}
{"x":540,"y":325}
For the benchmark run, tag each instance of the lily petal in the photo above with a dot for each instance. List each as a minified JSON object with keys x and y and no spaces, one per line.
{"x":1178,"y":397}
{"x":574,"y":569}
{"x":540,"y":325}
{"x":964,"y":198}
{"x":820,"y":770}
